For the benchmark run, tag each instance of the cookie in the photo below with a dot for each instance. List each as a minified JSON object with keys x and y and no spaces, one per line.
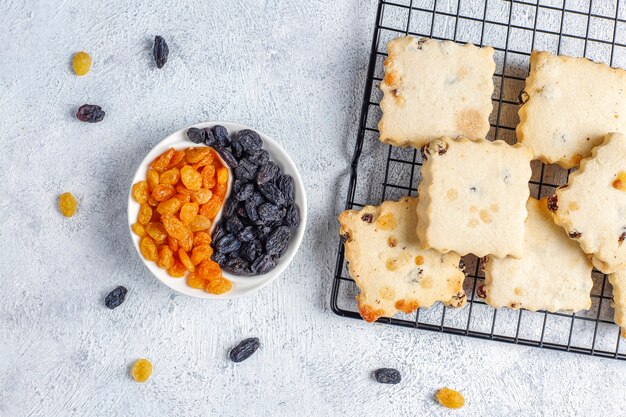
{"x":569,"y":105}
{"x":553,"y":274}
{"x":618,"y":281}
{"x":472,"y":197}
{"x":390,"y":268}
{"x":592,"y":207}
{"x":435,"y":88}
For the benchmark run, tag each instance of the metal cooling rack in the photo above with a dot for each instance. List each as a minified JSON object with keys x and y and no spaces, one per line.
{"x":380,"y":172}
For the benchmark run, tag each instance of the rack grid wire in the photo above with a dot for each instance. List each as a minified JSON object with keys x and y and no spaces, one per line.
{"x":380,"y":172}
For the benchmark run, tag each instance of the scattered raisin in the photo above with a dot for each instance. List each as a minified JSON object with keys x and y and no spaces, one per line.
{"x":116,"y":297}
{"x":244,"y":349}
{"x":622,"y":237}
{"x":450,"y":398}
{"x":553,"y":202}
{"x":574,"y":234}
{"x":367,"y":218}
{"x":90,"y":113}
{"x":141,"y":370}
{"x":387,"y":376}
{"x":480,"y":291}
{"x":160,"y":51}
{"x":67,"y":204}
{"x":81,"y":63}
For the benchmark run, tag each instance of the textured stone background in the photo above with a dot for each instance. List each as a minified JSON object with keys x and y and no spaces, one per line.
{"x":293,"y":69}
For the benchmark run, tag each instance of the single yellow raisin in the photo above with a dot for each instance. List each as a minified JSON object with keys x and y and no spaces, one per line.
{"x":166,"y":257}
{"x":190,"y":178}
{"x":170,"y":206}
{"x":200,"y":253}
{"x":183,"y":198}
{"x":177,"y":270}
{"x":450,"y":398}
{"x":163,"y":192}
{"x":145,"y":214}
{"x":201,"y":238}
{"x":148,"y":248}
{"x":222,"y":175}
{"x":153,"y":179}
{"x":218,"y":286}
{"x":211,"y":208}
{"x":184,"y":258}
{"x":171,"y":176}
{"x":196,"y":154}
{"x":194,"y":281}
{"x":208,"y":176}
{"x":209,"y":269}
{"x":81,"y":63}
{"x":174,"y":227}
{"x":177,"y":157}
{"x":140,"y":192}
{"x":141,"y":370}
{"x":156,"y":231}
{"x":199,"y":223}
{"x":202,"y":196}
{"x":172,"y":243}
{"x":220,"y":190}
{"x":67,"y":204}
{"x":161,"y":163}
{"x":152,"y":202}
{"x":139,"y":229}
{"x":188,"y":212}
{"x":181,"y":189}
{"x":186,"y":243}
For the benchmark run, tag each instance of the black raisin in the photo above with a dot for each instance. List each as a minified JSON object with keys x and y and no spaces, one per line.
{"x":269,"y":212}
{"x":209,"y":137}
{"x":286,"y":185}
{"x":241,"y":213}
{"x":116,"y":297}
{"x":233,"y":224}
{"x":267,"y":173}
{"x":244,"y":349}
{"x":263,"y":232}
{"x":245,"y":192}
{"x":219,"y":257}
{"x":229,"y":208}
{"x":249,"y":140}
{"x":237,"y":266}
{"x":160,"y":51}
{"x":277,"y":241}
{"x":221,"y":136}
{"x":90,"y":113}
{"x":574,"y":234}
{"x":622,"y":237}
{"x":251,"y":210}
{"x":227,"y":244}
{"x":196,"y":135}
{"x":219,"y":233}
{"x":272,"y":193}
{"x":246,"y":170}
{"x":250,"y":250}
{"x":260,"y":157}
{"x":480,"y":291}
{"x":367,"y":217}
{"x":553,"y":202}
{"x":226,"y":155}
{"x":292,"y":218}
{"x":246,"y":234}
{"x":387,"y":376}
{"x":263,"y":264}
{"x":237,"y":150}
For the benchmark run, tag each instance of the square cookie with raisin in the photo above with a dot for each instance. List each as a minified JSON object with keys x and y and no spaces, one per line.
{"x":472,"y":197}
{"x":592,"y":207}
{"x":391,"y":270}
{"x":435,"y":88}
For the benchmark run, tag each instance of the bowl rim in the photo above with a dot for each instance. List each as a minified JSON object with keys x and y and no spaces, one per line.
{"x":242,"y":286}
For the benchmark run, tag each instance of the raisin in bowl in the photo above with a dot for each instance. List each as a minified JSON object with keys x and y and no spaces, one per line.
{"x":259,"y":226}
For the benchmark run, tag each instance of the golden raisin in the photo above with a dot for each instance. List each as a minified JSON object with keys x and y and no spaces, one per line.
{"x":148,"y":248}
{"x":218,"y":286}
{"x":141,"y":370}
{"x":211,"y":208}
{"x":153,"y":179}
{"x":177,"y":156}
{"x":174,"y":227}
{"x":186,"y":243}
{"x":190,"y":178}
{"x":450,"y":398}
{"x":156,"y":231}
{"x":202,"y":196}
{"x":188,"y":212}
{"x":194,"y":281}
{"x":201,"y":238}
{"x":170,"y":206}
{"x":195,"y":155}
{"x":172,"y":243}
{"x":184,"y":258}
{"x":171,"y":176}
{"x":222,"y":175}
{"x":208,"y":176}
{"x":138,"y":229}
{"x":220,"y":190}
{"x":67,"y":204}
{"x":183,"y":198}
{"x":181,"y":189}
{"x":152,"y":202}
{"x":81,"y":63}
{"x":163,"y":192}
{"x":166,"y":257}
{"x":200,"y":222}
{"x":200,"y":253}
{"x":140,"y":192}
{"x":161,"y":163}
{"x":177,"y":270}
{"x":145,"y":214}
{"x":209,"y":269}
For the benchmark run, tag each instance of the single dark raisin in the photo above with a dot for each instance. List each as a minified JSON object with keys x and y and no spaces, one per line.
{"x":237,"y":266}
{"x":480,"y":291}
{"x":272,"y":193}
{"x":219,"y":257}
{"x":116,"y":297}
{"x":209,"y":137}
{"x":226,"y":155}
{"x":260,"y":157}
{"x":160,"y":51}
{"x":246,"y":170}
{"x":263,"y":232}
{"x":277,"y":241}
{"x":237,"y":150}
{"x":90,"y":113}
{"x":292,"y":218}
{"x":622,"y":237}
{"x":574,"y":234}
{"x":244,"y":349}
{"x":233,"y":224}
{"x":263,"y":264}
{"x":269,"y":212}
{"x":267,"y":173}
{"x":553,"y":202}
{"x":246,"y":234}
{"x":241,"y":213}
{"x":221,"y":136}
{"x":249,"y":140}
{"x":196,"y":135}
{"x":227,"y":244}
{"x":251,"y":250}
{"x":219,"y":232}
{"x":230,"y":207}
{"x":286,"y":185}
{"x":387,"y":376}
{"x":246,"y":192}
{"x":367,"y":218}
{"x":252,"y":210}
{"x":462,"y":265}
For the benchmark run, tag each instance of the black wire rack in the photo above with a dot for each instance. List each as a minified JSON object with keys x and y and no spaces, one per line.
{"x":381,"y":172}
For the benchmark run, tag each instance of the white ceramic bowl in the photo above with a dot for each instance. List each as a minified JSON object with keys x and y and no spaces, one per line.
{"x":241,"y":285}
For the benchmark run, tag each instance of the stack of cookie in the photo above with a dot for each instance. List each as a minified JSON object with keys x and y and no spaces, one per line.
{"x":474,"y":193}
